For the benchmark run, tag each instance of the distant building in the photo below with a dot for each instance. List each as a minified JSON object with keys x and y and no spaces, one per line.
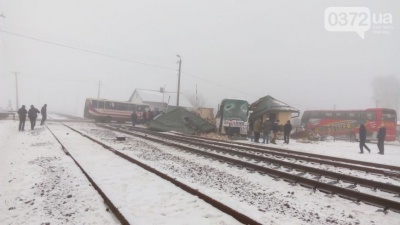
{"x":159,"y":100}
{"x":269,"y":107}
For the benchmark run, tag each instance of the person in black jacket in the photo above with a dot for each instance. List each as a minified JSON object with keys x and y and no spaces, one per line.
{"x":286,"y":131}
{"x":381,"y":139}
{"x":43,"y":111}
{"x":266,"y":130}
{"x":363,"y":138}
{"x":275,"y":129}
{"x":32,"y":114}
{"x":22,"y":118}
{"x":134,"y":118}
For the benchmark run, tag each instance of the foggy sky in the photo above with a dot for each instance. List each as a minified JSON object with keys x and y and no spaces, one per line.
{"x":236,"y":48}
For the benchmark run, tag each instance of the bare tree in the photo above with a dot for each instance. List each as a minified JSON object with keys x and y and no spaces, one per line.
{"x":386,"y":92}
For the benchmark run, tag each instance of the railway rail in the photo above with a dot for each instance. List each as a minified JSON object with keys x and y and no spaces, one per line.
{"x":215,"y":203}
{"x":386,"y":204}
{"x":367,"y":167}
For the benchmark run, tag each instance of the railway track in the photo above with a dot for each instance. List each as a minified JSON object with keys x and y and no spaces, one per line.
{"x":367,"y":167}
{"x":113,"y":206}
{"x":329,"y":188}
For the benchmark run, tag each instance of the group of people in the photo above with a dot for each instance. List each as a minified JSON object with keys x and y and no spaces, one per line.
{"x":32,"y":115}
{"x":144,"y":115}
{"x":266,"y":128}
{"x":380,"y":136}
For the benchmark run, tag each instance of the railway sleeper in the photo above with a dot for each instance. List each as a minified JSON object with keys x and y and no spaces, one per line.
{"x":289,"y":169}
{"x":274,"y":176}
{"x":328,"y":192}
{"x":262,"y":173}
{"x":302,"y":173}
{"x":348,"y":197}
{"x":352,"y":186}
{"x":334,"y":182}
{"x":291,"y":181}
{"x":367,"y":186}
{"x":318,"y":177}
{"x":387,"y":191}
{"x":250,"y":170}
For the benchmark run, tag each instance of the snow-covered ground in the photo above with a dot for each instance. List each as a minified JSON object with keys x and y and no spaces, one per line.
{"x":40,"y":184}
{"x":344,"y":149}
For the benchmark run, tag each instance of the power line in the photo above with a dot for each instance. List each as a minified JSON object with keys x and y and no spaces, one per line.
{"x":87,"y":51}
{"x":219,"y":85}
{"x":124,"y":59}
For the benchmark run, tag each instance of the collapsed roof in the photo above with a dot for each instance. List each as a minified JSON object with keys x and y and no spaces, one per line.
{"x":181,"y":120}
{"x":269,"y":104}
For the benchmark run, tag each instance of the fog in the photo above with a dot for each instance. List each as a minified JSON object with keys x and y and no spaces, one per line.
{"x":61,"y":50}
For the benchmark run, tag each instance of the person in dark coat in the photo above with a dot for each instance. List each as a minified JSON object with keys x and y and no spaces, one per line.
{"x":267,"y":130}
{"x":43,"y":111}
{"x":286,"y":131}
{"x":32,"y":114}
{"x":275,"y":129}
{"x":22,"y":118}
{"x":363,"y":138}
{"x":257,"y":130}
{"x":134,"y":118}
{"x":381,"y":139}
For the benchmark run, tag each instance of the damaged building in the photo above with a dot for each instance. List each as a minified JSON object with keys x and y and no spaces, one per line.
{"x":269,"y":107}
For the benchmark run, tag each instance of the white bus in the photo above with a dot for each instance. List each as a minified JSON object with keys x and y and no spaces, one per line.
{"x":103,"y":110}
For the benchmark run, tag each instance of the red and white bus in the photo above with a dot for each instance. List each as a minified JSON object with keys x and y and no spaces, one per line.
{"x":346,"y":123}
{"x":103,"y":110}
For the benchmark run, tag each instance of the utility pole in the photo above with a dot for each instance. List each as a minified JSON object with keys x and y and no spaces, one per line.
{"x":98,"y":91}
{"x":16,"y":88}
{"x":179,"y":80}
{"x":197,"y":104}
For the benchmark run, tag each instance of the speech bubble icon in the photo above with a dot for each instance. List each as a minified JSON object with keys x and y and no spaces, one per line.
{"x":348,"y":19}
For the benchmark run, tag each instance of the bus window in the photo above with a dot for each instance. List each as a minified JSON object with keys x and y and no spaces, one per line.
{"x":389,"y":115}
{"x":338,"y":115}
{"x":368,"y":116}
{"x":132,"y":107}
{"x":327,"y":115}
{"x":352,"y":115}
{"x":101,"y":105}
{"x":94,"y":103}
{"x":109,"y":105}
{"x":314,"y":115}
{"x":125,"y":107}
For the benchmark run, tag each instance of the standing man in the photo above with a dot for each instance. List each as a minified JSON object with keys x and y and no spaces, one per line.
{"x":43,"y":111}
{"x":32,"y":114}
{"x":286,"y":131}
{"x":267,"y":130}
{"x":257,"y":130}
{"x":381,"y":139}
{"x":22,"y":118}
{"x":275,"y":129}
{"x":363,"y":138}
{"x":134,"y":118}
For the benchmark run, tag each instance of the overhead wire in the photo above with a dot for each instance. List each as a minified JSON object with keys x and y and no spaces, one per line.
{"x":87,"y":51}
{"x":121,"y":58}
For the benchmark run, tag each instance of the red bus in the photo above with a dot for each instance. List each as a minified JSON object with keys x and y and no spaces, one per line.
{"x":345,"y":123}
{"x":102,"y":110}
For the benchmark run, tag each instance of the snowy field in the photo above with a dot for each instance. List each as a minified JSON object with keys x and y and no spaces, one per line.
{"x":40,"y":184}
